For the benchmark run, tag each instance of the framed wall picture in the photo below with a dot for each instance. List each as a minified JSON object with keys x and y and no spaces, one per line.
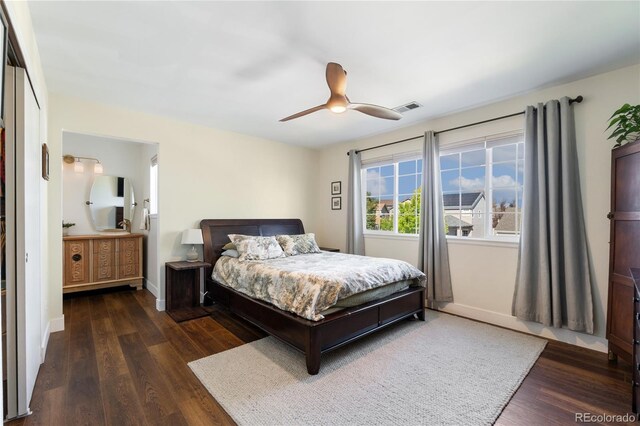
{"x":45,"y":161}
{"x":336,"y":188}
{"x":336,"y":203}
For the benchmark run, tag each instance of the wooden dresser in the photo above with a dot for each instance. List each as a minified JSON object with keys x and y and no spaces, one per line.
{"x":624,"y":248}
{"x":100,"y":261}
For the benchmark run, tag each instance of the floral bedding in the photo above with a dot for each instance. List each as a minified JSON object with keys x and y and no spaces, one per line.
{"x":308,"y":284}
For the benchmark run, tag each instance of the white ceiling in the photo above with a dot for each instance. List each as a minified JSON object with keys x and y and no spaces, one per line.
{"x":242,"y":66}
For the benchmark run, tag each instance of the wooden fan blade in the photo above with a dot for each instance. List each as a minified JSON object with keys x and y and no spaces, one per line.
{"x":305,"y":112}
{"x":376,"y":111}
{"x":336,"y":78}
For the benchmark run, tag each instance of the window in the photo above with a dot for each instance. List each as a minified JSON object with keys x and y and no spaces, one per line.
{"x":153,"y":186}
{"x":482,"y":187}
{"x":393,"y":196}
{"x":482,"y":184}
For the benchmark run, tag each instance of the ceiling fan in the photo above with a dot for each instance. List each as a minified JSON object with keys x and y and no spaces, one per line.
{"x":339,"y":102}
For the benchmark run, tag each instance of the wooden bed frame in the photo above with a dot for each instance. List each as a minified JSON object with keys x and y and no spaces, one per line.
{"x":313,"y":338}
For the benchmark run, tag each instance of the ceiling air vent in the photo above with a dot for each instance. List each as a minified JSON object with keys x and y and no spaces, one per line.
{"x":407,"y":107}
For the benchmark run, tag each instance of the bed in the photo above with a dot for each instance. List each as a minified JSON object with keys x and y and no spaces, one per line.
{"x":313,"y":338}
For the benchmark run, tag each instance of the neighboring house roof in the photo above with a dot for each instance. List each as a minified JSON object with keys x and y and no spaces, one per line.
{"x":464,"y":200}
{"x":385,"y":206}
{"x":507,"y":223}
{"x":454,"y":222}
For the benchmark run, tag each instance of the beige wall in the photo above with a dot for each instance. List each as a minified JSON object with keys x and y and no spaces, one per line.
{"x":483,"y":275}
{"x":204,"y":173}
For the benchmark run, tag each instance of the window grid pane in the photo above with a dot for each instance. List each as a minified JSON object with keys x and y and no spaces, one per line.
{"x":506,"y":189}
{"x":482,"y":190}
{"x":153,"y":186}
{"x":393,"y":197}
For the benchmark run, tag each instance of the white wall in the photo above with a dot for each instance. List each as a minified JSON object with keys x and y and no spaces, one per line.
{"x":483,"y":275}
{"x":118,"y":158}
{"x":151,"y":265}
{"x":203,"y":173}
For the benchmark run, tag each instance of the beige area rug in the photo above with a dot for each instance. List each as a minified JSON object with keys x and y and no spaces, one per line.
{"x":445,"y":371}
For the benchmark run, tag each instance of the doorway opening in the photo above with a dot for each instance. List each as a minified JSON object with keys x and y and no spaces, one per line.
{"x":109,"y":186}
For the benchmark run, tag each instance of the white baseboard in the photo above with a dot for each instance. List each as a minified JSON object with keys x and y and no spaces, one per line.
{"x":153,"y":288}
{"x":54,"y":325}
{"x":45,"y":342}
{"x":507,"y":321}
{"x":160,"y":304}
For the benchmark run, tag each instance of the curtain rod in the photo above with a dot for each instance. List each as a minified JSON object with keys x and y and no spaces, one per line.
{"x":577,"y":99}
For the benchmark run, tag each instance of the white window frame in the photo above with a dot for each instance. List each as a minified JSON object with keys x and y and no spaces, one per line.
{"x":153,"y":191}
{"x":387,"y":161}
{"x":488,"y":142}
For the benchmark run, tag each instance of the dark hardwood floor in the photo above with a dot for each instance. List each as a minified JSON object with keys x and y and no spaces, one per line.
{"x":120,"y":361}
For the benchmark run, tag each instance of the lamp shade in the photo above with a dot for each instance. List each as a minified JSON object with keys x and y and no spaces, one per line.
{"x":192,"y":236}
{"x":97,"y":168}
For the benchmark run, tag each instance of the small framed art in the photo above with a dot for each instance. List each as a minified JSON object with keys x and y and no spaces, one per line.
{"x":45,"y":161}
{"x":336,"y":203}
{"x":336,"y":188}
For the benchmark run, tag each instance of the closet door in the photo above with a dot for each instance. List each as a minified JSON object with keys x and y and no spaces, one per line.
{"x":24,"y":290}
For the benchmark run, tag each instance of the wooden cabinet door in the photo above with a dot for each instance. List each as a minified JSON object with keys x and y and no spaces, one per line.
{"x":129,"y":258}
{"x":624,"y":246}
{"x":104,"y":260}
{"x":77,"y":262}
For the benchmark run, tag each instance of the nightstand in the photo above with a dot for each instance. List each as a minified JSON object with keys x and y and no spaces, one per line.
{"x":335,"y":250}
{"x":183,"y":290}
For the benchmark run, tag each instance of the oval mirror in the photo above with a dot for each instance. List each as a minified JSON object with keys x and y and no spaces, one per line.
{"x":111,"y":201}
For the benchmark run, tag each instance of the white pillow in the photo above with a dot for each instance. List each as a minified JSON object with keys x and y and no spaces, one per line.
{"x":231,"y":253}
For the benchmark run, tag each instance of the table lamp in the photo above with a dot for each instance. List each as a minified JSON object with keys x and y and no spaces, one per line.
{"x":193,"y":237}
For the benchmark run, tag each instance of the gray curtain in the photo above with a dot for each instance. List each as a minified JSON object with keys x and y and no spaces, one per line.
{"x":355,"y":226}
{"x":553,"y":284}
{"x":434,"y":255}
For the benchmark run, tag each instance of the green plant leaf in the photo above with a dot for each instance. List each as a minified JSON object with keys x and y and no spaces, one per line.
{"x":618,"y":131}
{"x":622,"y":109}
{"x":614,"y":121}
{"x":625,"y":123}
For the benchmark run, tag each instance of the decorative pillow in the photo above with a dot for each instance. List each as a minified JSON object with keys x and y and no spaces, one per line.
{"x":256,"y":248}
{"x":298,"y":244}
{"x":229,"y":246}
{"x":231,"y":253}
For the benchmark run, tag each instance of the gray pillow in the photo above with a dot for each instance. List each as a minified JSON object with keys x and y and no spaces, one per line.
{"x":256,"y":248}
{"x":294,"y":245}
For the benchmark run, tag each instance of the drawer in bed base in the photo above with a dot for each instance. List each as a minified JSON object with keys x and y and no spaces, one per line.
{"x":287,"y":327}
{"x":400,"y":307}
{"x":346,"y":326}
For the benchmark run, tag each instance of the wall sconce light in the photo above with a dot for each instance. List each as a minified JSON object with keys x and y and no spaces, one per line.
{"x":78,"y":167}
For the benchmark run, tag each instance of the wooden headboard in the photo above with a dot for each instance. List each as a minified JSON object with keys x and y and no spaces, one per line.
{"x":215,"y":231}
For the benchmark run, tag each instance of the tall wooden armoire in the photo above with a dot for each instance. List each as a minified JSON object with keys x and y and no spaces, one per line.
{"x":624,"y":251}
